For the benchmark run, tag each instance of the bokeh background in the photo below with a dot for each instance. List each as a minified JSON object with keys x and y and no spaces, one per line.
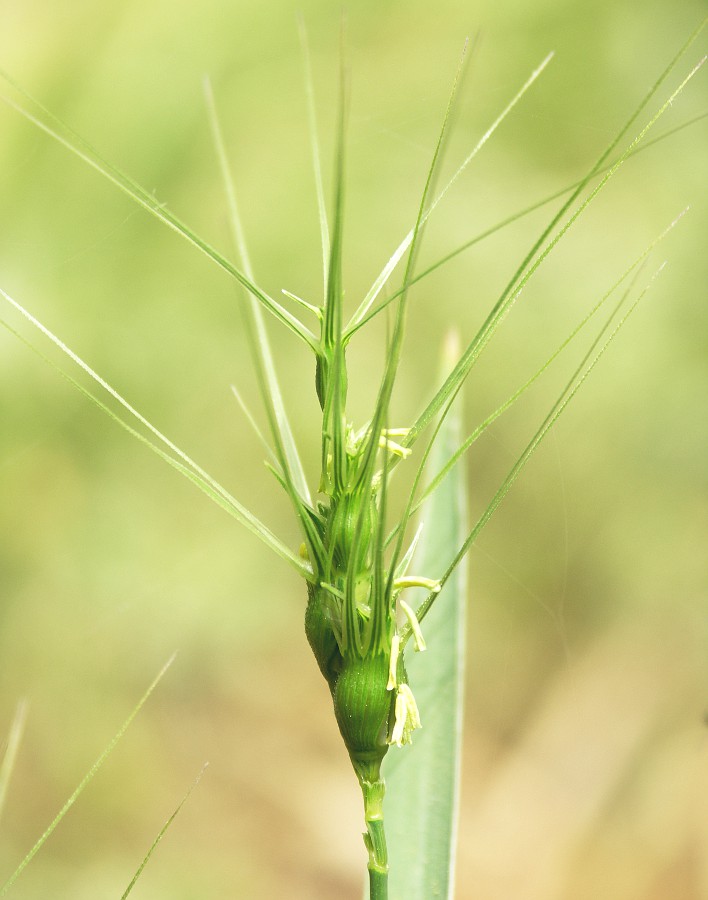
{"x":586,"y":756}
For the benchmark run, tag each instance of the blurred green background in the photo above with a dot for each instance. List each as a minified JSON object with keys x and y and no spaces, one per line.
{"x":585,"y":770}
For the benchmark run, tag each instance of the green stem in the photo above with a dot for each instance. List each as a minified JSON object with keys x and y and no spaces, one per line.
{"x":378,"y":885}
{"x":375,"y":838}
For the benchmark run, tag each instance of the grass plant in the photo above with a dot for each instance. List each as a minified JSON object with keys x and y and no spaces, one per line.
{"x":383,"y":573}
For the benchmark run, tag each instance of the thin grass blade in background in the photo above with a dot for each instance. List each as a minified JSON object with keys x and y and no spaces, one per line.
{"x":84,"y":782}
{"x":13,"y":742}
{"x":161,"y":833}
{"x":423,"y":785}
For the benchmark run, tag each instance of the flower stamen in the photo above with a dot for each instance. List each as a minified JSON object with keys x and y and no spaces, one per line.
{"x":407,"y":717}
{"x":418,"y":638}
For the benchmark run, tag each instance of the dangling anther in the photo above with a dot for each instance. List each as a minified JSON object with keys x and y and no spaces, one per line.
{"x":418,"y":638}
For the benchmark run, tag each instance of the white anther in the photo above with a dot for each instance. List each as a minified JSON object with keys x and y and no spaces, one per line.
{"x":418,"y":638}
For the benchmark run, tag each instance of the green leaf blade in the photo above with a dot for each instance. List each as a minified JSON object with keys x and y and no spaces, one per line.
{"x":423,"y":782}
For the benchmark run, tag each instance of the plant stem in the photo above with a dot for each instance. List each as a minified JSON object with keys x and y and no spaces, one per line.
{"x":375,"y":838}
{"x":378,"y":885}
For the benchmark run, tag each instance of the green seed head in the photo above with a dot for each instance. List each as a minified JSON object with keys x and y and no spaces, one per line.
{"x":350,"y":531}
{"x":320,"y":633}
{"x":364,"y":707}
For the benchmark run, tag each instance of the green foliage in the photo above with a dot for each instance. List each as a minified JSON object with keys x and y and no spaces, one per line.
{"x":423,"y":787}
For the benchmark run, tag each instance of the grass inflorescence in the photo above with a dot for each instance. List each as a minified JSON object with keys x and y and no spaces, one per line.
{"x":358,"y":553}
